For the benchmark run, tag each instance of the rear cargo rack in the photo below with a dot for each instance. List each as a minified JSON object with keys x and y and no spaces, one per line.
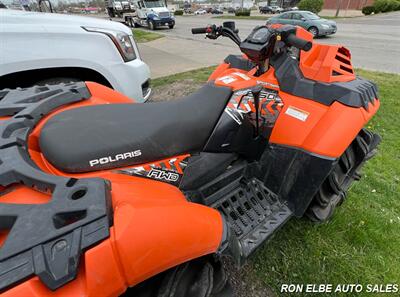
{"x":45,"y":239}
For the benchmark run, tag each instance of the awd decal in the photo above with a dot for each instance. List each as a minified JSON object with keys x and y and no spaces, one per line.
{"x":115,"y":158}
{"x":168,"y":176}
{"x":168,"y":170}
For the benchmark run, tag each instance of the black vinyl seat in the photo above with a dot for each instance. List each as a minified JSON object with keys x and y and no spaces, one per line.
{"x":108,"y":136}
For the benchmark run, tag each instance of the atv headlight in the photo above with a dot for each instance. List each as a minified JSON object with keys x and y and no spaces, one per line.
{"x":122,"y":41}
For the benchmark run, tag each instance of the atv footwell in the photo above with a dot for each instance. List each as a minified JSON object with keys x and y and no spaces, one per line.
{"x":252,"y":211}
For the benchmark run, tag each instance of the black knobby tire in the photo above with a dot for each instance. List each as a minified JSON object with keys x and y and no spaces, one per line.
{"x":333,"y":190}
{"x":203,"y":277}
{"x":171,"y":26}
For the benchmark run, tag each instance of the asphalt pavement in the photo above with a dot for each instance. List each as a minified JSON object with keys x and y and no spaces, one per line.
{"x":374,"y":42}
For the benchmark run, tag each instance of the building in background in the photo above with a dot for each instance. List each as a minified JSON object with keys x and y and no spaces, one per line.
{"x":347,"y":4}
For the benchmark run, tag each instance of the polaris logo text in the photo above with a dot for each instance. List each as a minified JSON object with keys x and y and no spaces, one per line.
{"x":165,"y":175}
{"x":110,"y":159}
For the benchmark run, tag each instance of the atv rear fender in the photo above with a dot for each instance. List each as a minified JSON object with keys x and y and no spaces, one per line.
{"x":154,"y":229}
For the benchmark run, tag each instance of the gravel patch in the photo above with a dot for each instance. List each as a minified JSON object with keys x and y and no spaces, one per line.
{"x":175,"y":90}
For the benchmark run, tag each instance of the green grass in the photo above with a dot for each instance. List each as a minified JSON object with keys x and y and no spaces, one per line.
{"x":233,"y":17}
{"x":145,"y":36}
{"x":361,"y":244}
{"x":198,"y":75}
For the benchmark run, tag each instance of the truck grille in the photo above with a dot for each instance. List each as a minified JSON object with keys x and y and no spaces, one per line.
{"x":164,"y":14}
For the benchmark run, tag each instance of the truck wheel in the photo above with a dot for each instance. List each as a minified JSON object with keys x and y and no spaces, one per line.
{"x":203,"y":277}
{"x":171,"y":26}
{"x":152,"y":26}
{"x":110,"y":12}
{"x":333,"y":190}
{"x":129,"y":22}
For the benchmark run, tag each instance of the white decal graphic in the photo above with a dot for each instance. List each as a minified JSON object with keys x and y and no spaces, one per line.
{"x":110,"y":159}
{"x":297,"y":113}
{"x":241,"y":75}
{"x":227,"y":79}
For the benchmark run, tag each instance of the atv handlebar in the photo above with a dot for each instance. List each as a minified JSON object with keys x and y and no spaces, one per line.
{"x":199,"y":30}
{"x":301,"y":44}
{"x":213,"y":31}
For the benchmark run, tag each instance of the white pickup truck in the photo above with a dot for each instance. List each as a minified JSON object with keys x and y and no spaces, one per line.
{"x":39,"y":48}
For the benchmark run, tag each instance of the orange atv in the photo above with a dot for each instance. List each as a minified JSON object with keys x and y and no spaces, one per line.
{"x":99,"y":194}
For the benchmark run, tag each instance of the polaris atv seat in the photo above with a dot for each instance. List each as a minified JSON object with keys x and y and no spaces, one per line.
{"x":108,"y":136}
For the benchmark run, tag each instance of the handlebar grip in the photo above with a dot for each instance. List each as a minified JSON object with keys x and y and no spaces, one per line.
{"x":302,"y":44}
{"x":199,"y":30}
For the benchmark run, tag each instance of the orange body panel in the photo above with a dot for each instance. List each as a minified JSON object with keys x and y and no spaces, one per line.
{"x":327,"y":131}
{"x":154,"y":226}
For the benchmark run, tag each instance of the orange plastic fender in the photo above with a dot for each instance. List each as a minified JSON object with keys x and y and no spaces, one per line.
{"x":323,"y":130}
{"x":154,"y":229}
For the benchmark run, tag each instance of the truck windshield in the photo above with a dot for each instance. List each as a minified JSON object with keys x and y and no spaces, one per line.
{"x":152,"y":4}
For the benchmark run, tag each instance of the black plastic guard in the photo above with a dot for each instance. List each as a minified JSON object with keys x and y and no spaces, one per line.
{"x":294,"y":175}
{"x":45,"y":239}
{"x":237,"y":61}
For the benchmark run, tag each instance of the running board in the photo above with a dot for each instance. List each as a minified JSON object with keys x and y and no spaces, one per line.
{"x":252,"y":212}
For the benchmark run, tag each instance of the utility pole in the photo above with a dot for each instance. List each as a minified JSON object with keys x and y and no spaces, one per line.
{"x":338,"y":4}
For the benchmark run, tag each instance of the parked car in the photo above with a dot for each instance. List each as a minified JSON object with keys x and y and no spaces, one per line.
{"x":276,"y":9}
{"x":200,"y":11}
{"x":47,"y":48}
{"x":209,"y":9}
{"x":231,"y":10}
{"x":216,"y":11}
{"x":308,"y":20}
{"x":265,"y":9}
{"x":295,"y":8}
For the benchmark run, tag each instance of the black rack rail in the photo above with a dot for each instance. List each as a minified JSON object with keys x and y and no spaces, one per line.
{"x":47,"y":239}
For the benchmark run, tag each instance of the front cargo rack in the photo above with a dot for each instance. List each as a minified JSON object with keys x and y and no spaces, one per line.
{"x":47,"y":239}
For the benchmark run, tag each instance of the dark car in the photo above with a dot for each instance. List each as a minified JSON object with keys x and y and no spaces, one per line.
{"x":231,"y":10}
{"x":216,"y":11}
{"x":265,"y":9}
{"x":314,"y":24}
{"x":209,"y":9}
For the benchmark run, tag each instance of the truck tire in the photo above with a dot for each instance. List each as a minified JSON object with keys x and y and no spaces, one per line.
{"x":110,"y":12}
{"x":129,"y":22}
{"x":333,"y":190}
{"x":202,"y":277}
{"x":151,"y":25}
